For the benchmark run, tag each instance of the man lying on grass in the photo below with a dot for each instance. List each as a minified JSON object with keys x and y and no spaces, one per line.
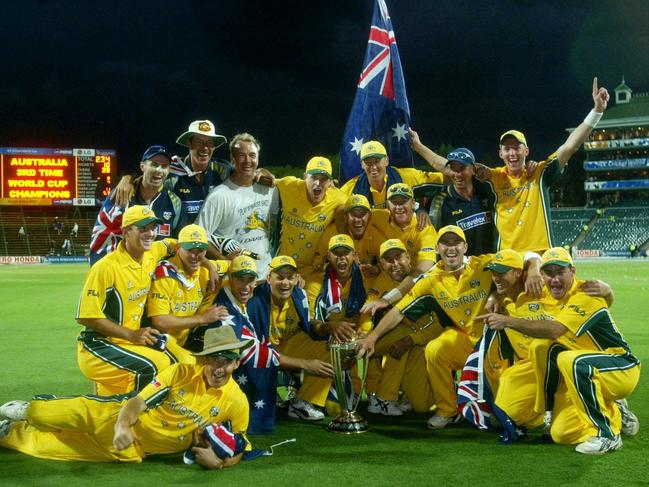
{"x":165,"y":417}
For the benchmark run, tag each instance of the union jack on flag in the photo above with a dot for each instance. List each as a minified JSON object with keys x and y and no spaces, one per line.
{"x":380,"y":110}
{"x":261,"y":354}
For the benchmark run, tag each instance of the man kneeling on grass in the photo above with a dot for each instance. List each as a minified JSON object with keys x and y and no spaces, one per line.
{"x":164,"y":417}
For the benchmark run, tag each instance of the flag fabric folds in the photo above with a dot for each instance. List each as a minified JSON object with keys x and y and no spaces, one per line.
{"x":380,"y":110}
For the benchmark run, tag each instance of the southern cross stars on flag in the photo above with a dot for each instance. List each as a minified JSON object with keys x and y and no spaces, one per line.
{"x":380,"y":111}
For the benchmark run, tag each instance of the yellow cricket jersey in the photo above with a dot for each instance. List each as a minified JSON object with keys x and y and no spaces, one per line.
{"x":420,"y":244}
{"x":314,"y":290}
{"x":367,"y":248}
{"x":179,"y":401}
{"x":424,"y":329}
{"x":527,"y":308}
{"x":117,"y":287}
{"x":523,"y":207}
{"x":302,"y":223}
{"x":169,"y":296}
{"x":412,"y":177}
{"x":589,"y":322}
{"x":284,"y":322}
{"x":455,"y":301}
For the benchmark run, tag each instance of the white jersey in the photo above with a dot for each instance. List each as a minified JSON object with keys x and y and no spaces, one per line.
{"x":243,"y":214}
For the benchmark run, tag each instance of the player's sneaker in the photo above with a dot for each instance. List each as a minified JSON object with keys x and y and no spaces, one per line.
{"x":5,"y":426}
{"x":438,"y":422}
{"x":598,"y":445}
{"x":547,"y":426}
{"x":384,"y":407}
{"x":372,"y":404}
{"x":630,"y":423}
{"x":404,"y":405}
{"x":299,"y":409}
{"x":14,"y":410}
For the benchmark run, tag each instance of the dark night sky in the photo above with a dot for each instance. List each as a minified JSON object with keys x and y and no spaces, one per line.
{"x":125,"y":75}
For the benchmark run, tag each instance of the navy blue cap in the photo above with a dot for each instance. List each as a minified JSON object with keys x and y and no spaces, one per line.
{"x":461,"y":155}
{"x":153,"y":151}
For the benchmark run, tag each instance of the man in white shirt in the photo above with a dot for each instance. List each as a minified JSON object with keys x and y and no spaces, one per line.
{"x":236,"y":214}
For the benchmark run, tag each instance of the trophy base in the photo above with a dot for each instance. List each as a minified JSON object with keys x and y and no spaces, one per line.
{"x":348,"y":423}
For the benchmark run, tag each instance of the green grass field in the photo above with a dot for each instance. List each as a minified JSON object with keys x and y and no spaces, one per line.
{"x":38,"y":355}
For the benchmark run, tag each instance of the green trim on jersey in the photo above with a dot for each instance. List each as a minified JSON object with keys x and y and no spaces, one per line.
{"x":602,"y":331}
{"x":424,"y":305}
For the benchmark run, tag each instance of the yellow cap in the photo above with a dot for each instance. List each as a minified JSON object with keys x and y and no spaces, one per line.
{"x":450,"y":229}
{"x":393,"y":243}
{"x":192,"y":237}
{"x":400,"y":189}
{"x":357,"y":201}
{"x":319,"y":165}
{"x":373,"y":148}
{"x":139,"y":215}
{"x":556,"y":256}
{"x":341,"y":240}
{"x":516,"y":134}
{"x":243,"y":265}
{"x":282,"y":261}
{"x":504,"y":261}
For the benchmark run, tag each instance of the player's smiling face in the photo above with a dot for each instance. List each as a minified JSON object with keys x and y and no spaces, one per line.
{"x":357,"y":221}
{"x":191,"y":259}
{"x":506,"y":281}
{"x":558,"y":279}
{"x":401,"y":210}
{"x":244,"y":159}
{"x":139,"y":239}
{"x":282,"y":282}
{"x":201,"y":149}
{"x":154,"y":171}
{"x":451,"y":248}
{"x":396,"y":262}
{"x":375,"y":169}
{"x":242,"y":287}
{"x":316,"y":187}
{"x":461,"y":175}
{"x":513,"y":154}
{"x":218,"y":370}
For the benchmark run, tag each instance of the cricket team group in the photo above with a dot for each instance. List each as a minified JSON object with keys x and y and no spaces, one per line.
{"x":212,"y":283}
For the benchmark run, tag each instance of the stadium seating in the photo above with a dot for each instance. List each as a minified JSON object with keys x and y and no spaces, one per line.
{"x":617,"y":229}
{"x":567,"y":223}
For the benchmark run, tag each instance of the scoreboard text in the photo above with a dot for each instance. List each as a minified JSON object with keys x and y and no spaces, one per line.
{"x":38,"y":176}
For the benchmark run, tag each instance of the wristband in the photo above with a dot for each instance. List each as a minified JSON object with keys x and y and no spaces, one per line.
{"x":393,"y":296}
{"x":592,"y":118}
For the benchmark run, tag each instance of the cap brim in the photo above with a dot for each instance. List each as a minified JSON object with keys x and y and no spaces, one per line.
{"x":561,"y":263}
{"x":193,"y":245}
{"x":499,"y":268}
{"x":275,"y":269}
{"x":375,"y":154}
{"x":319,"y":171}
{"x":405,"y":195}
{"x":512,"y":136}
{"x":146,"y":221}
{"x":347,"y":210}
{"x":464,"y":163}
{"x":224,"y":348}
{"x":341,"y":246}
{"x":219,"y":140}
{"x":244,"y":272}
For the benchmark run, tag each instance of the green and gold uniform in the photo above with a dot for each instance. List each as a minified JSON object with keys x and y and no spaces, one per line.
{"x":596,"y":367}
{"x":516,"y":389}
{"x":523,"y":207}
{"x":419,"y":243}
{"x":456,"y":302}
{"x":116,"y":288}
{"x":302,"y":224}
{"x":404,"y":374}
{"x":82,"y":428}
{"x":412,"y":177}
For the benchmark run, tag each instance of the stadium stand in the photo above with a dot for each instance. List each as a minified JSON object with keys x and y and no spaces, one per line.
{"x":567,"y":223}
{"x":617,"y":229}
{"x":40,"y":238}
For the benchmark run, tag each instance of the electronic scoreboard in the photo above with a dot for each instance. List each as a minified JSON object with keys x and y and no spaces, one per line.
{"x":39,"y":176}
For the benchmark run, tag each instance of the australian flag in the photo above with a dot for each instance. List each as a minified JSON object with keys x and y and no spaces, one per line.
{"x":380,"y":111}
